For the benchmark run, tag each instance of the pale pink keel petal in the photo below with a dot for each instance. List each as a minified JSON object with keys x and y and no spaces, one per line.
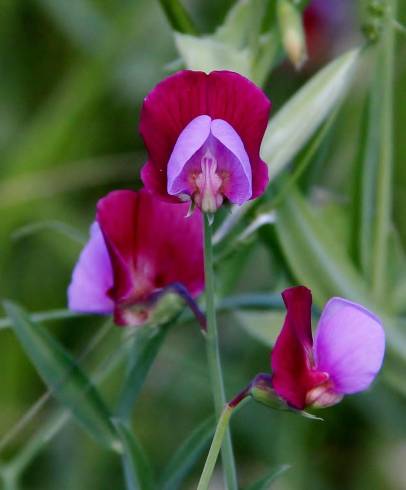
{"x":349,"y":345}
{"x":209,"y":162}
{"x":92,"y":277}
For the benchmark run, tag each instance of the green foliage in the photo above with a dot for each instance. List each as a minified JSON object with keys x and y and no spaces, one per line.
{"x":238,"y":44}
{"x":64,"y":377}
{"x":187,"y":455}
{"x":265,"y":482}
{"x":74,"y":77}
{"x":137,"y":470}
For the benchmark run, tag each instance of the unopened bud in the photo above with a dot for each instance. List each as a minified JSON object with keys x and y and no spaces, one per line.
{"x":292,"y":31}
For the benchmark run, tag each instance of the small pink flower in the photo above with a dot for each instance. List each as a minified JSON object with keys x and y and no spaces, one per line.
{"x":203,"y":134}
{"x":139,"y":246}
{"x":345,"y":358}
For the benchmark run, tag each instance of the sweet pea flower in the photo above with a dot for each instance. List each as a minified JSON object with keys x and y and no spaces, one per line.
{"x":326,"y":25}
{"x":139,"y":247}
{"x":345,"y":358}
{"x":203,"y":134}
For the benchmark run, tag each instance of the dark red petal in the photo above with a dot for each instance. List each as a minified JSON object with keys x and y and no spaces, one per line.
{"x":151,"y":245}
{"x":117,"y":218}
{"x":166,"y":111}
{"x":178,"y":99}
{"x":242,"y":104}
{"x":291,"y":357}
{"x":172,"y":242}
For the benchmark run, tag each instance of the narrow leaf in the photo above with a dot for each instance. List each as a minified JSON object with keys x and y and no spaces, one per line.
{"x":66,"y":380}
{"x":265,"y":482}
{"x":147,"y":343}
{"x":50,"y":225}
{"x":137,"y":470}
{"x":187,"y":455}
{"x":319,"y":261}
{"x":299,"y":118}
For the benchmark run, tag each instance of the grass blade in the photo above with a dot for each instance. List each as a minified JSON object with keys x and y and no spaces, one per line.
{"x":300,"y":117}
{"x":137,"y":470}
{"x":265,"y":483}
{"x":187,"y":455}
{"x":67,"y":381}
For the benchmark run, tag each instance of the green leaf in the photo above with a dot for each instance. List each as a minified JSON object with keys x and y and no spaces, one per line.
{"x":177,"y":16}
{"x":187,"y":455}
{"x":66,"y":380}
{"x":236,"y":45}
{"x":137,"y":470}
{"x":53,"y":225}
{"x":300,"y":117}
{"x":319,"y":261}
{"x":314,"y":255}
{"x":262,"y":326}
{"x":363,"y":195}
{"x":146,"y":345}
{"x":208,"y":54}
{"x":265,"y":482}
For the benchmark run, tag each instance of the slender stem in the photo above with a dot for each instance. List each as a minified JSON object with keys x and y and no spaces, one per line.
{"x":385,"y":164}
{"x":213,"y":357}
{"x":221,"y":430}
{"x":178,"y":16}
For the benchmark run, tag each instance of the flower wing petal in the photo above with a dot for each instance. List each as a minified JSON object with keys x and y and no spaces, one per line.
{"x":92,"y":277}
{"x":349,"y":345}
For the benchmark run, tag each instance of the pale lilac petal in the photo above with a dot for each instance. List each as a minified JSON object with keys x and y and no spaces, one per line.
{"x":92,"y":277}
{"x":349,"y":345}
{"x":190,"y":140}
{"x":239,"y":167}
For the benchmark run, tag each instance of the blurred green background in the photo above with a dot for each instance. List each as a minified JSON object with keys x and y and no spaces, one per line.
{"x":73,"y":76}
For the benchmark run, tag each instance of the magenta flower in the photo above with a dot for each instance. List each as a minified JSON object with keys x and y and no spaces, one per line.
{"x":345,"y":358}
{"x":139,"y":247}
{"x":203,"y":134}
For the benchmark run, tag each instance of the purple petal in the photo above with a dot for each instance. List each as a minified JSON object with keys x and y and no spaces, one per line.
{"x":239,"y":167}
{"x":92,"y":277}
{"x":349,"y":345}
{"x":216,"y":138}
{"x":190,"y":140}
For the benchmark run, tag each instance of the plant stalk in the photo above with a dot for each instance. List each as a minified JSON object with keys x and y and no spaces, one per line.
{"x":221,"y":430}
{"x":385,"y":164}
{"x":213,"y":357}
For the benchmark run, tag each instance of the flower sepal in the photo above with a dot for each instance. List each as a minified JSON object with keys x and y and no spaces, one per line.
{"x":262,"y":392}
{"x":154,"y":312}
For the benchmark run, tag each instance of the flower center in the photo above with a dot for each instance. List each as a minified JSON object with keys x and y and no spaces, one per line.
{"x":207,"y":195}
{"x":209,"y":164}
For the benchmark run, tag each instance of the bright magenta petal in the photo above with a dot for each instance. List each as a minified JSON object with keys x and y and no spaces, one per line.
{"x":180,"y":98}
{"x":242,"y":104}
{"x":291,"y":360}
{"x":349,"y":345}
{"x":151,"y":245}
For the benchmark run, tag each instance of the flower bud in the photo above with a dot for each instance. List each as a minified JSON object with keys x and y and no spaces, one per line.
{"x":292,"y":31}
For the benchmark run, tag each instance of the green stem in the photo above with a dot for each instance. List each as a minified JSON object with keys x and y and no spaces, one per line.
{"x":178,"y":16}
{"x":213,"y":356}
{"x":385,"y":164}
{"x":215,"y":447}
